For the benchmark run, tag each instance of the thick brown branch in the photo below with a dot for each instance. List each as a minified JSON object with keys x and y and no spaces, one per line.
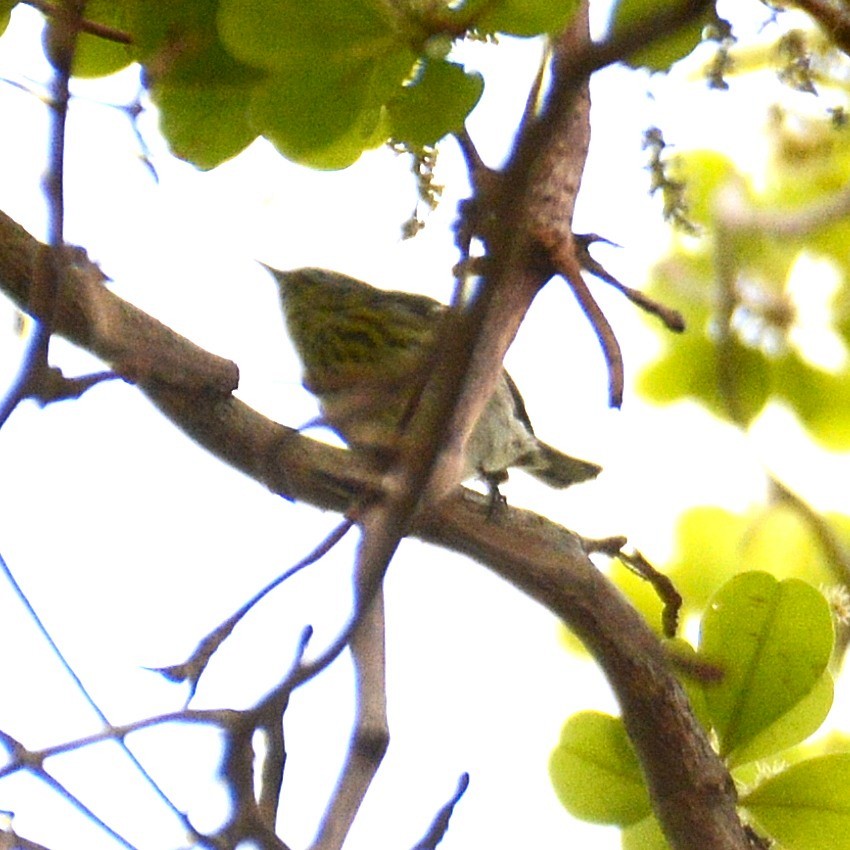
{"x":507,"y":213}
{"x":533,"y":209}
{"x":690,"y":787}
{"x":134,"y":344}
{"x":693,"y":794}
{"x":834,"y":18}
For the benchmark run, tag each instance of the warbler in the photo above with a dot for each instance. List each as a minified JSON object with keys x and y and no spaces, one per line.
{"x":364,"y":350}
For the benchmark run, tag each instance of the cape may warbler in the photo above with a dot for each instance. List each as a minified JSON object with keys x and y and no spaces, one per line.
{"x":364,"y":351}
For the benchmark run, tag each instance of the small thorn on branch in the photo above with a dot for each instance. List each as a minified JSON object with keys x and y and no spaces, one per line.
{"x":474,"y":164}
{"x":672,"y":319}
{"x":48,"y":384}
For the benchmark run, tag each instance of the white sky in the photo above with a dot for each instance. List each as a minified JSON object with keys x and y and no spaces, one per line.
{"x":132,"y":543}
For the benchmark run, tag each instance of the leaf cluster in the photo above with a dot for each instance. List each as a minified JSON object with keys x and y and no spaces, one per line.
{"x":765,"y":286}
{"x":771,"y":642}
{"x":323,"y":81}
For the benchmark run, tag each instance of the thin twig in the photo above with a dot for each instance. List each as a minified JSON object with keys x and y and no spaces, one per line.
{"x":440,"y":825}
{"x":835,"y":552}
{"x":736,"y":213}
{"x":661,"y":584}
{"x":48,"y":275}
{"x":193,"y":667}
{"x":270,"y":713}
{"x":605,"y":335}
{"x":25,"y":759}
{"x":34,"y":617}
{"x":535,"y":95}
{"x":85,"y":25}
{"x":672,"y":319}
{"x":726,"y":265}
{"x":81,"y":807}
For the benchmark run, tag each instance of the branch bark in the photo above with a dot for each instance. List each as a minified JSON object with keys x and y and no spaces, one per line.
{"x":691,"y":790}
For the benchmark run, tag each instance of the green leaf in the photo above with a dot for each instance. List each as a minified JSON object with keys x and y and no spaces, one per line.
{"x":333,"y":67}
{"x":204,"y":125}
{"x":792,"y":727}
{"x":713,"y":544}
{"x":436,"y":103}
{"x":781,"y":541}
{"x":97,"y":56}
{"x":203,"y":94}
{"x":829,"y":744}
{"x":664,"y":50}
{"x":276,"y":34}
{"x":704,"y":173}
{"x":524,"y":17}
{"x":691,"y":369}
{"x":762,"y":359}
{"x":166,"y":35}
{"x":204,"y":106}
{"x":646,"y":834}
{"x":6,"y":7}
{"x":807,"y":806}
{"x":708,"y":552}
{"x":326,"y":115}
{"x":773,"y":641}
{"x":595,"y":771}
{"x":311,"y":109}
{"x":819,"y":398}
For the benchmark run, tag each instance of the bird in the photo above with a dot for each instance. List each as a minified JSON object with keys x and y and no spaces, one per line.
{"x":364,"y":351}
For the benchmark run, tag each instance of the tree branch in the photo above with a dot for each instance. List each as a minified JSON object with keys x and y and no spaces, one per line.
{"x":136,"y":346}
{"x":833,"y":17}
{"x":691,"y":789}
{"x":93,"y":27}
{"x":370,"y":737}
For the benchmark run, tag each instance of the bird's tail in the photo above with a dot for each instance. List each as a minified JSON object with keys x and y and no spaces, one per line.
{"x":559,"y":470}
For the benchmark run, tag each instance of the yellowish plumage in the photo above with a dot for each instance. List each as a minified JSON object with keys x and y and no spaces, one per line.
{"x":363,"y":351}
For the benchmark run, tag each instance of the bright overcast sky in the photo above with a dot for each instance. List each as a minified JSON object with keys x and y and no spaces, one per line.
{"x":132,"y":542}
